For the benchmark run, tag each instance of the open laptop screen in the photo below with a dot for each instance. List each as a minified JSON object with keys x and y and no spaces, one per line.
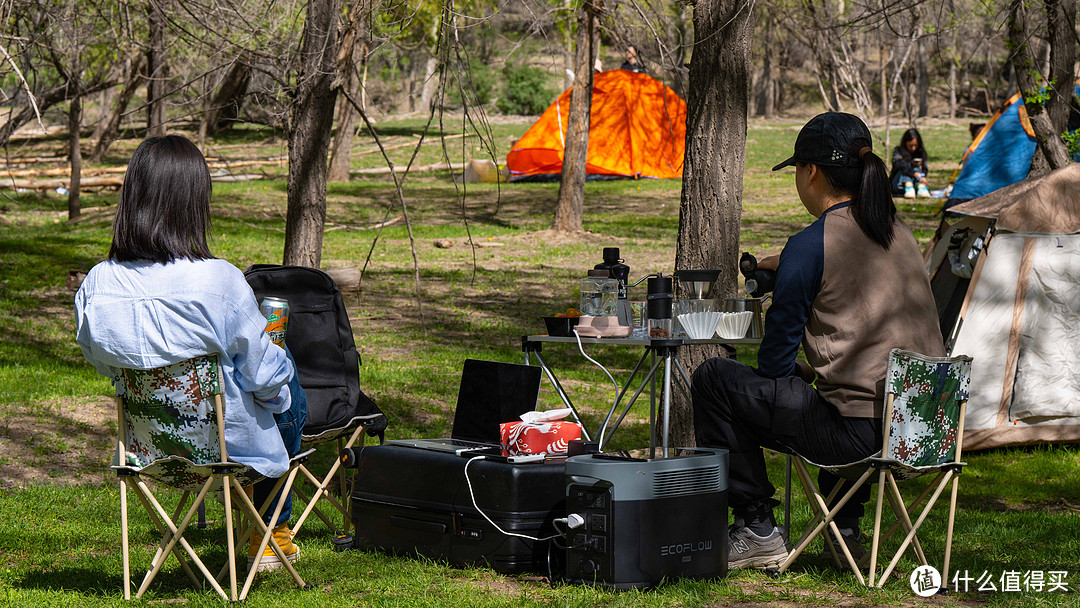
{"x":490,"y":393}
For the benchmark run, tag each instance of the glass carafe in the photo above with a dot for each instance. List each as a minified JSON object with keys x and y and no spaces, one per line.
{"x":599,"y":293}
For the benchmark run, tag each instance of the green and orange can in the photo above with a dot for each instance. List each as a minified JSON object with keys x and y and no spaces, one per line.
{"x":276,"y":311}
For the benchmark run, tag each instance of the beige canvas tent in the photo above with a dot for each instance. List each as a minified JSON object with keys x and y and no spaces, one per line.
{"x":1006,"y":277}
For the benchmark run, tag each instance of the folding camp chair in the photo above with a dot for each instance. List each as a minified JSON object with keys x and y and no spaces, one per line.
{"x":923,"y":429}
{"x":171,"y":430}
{"x":321,"y":487}
{"x":320,"y":338}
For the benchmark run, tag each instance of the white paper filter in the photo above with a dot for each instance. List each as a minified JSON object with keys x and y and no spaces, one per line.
{"x":733,"y":325}
{"x":699,"y":325}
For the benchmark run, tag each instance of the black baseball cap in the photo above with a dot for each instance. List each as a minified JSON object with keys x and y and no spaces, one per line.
{"x":826,"y":139}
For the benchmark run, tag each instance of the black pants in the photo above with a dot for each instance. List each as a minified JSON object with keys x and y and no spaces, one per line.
{"x":740,"y":411}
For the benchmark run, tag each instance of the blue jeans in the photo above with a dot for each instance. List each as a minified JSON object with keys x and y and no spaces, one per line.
{"x":291,"y":425}
{"x":900,"y":178}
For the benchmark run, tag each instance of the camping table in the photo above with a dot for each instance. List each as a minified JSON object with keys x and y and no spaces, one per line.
{"x":660,"y":351}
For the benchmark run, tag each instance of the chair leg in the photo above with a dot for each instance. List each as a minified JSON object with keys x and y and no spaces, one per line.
{"x":915,"y":527}
{"x":809,"y":489}
{"x":877,"y":525}
{"x":902,"y":513}
{"x":312,"y":501}
{"x":322,"y":488}
{"x":178,"y":536}
{"x":226,"y":488}
{"x":914,"y":505}
{"x":165,"y":535}
{"x":827,"y":520}
{"x":948,"y":533}
{"x":285,"y":563}
{"x":124,"y":538}
{"x":343,"y":482}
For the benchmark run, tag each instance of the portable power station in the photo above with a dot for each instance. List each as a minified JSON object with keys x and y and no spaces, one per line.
{"x":643,"y":520}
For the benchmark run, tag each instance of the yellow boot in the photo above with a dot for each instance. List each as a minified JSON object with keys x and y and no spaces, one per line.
{"x":270,"y":561}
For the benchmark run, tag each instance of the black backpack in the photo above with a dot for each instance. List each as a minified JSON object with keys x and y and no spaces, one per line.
{"x":321,"y":341}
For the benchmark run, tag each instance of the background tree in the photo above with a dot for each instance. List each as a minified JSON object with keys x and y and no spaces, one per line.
{"x":710,"y":209}
{"x":1034,"y":87}
{"x":569,"y":210}
{"x":309,"y":135}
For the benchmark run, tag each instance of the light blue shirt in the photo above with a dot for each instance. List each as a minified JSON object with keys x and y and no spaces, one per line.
{"x":142,"y":315}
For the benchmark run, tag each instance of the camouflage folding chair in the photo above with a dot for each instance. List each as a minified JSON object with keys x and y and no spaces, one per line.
{"x":171,"y":430}
{"x":923,"y":427}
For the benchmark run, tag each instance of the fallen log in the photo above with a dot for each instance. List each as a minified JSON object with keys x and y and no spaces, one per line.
{"x":423,"y":169}
{"x":410,"y":144}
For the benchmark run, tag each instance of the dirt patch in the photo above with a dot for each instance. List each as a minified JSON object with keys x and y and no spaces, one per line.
{"x":66,"y":442}
{"x":829,"y":597}
{"x":495,"y":584}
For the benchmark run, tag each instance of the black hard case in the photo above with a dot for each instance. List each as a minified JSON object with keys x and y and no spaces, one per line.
{"x":415,"y":501}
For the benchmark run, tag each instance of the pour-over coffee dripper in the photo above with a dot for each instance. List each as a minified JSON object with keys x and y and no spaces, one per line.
{"x":697,"y":283}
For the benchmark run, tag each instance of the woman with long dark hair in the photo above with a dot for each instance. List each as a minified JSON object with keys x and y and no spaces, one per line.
{"x":849,"y":288}
{"x":909,"y":168}
{"x":161,"y":297}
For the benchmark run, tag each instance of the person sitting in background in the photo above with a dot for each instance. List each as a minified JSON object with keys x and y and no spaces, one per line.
{"x":909,"y":168}
{"x":632,"y":62}
{"x":161,"y":298}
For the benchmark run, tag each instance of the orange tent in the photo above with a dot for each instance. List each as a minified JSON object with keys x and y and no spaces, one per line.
{"x":637,"y":129}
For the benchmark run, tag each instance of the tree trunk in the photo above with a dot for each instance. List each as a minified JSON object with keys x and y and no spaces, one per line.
{"x":112,"y":127}
{"x":568,"y":46}
{"x":952,"y":87}
{"x":225,"y":106}
{"x":431,"y":82}
{"x":711,"y":204}
{"x":351,"y":63}
{"x":1060,"y":20}
{"x":765,"y":99}
{"x":883,"y":78}
{"x":105,"y":101}
{"x":74,"y":121}
{"x":1047,"y":138}
{"x":309,"y":135}
{"x":157,"y":73}
{"x":570,"y":208}
{"x":924,"y":81}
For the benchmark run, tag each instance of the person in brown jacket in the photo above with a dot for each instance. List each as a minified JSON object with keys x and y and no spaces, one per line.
{"x":849,"y":288}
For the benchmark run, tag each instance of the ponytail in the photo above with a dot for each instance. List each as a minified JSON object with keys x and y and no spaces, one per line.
{"x":871,"y":195}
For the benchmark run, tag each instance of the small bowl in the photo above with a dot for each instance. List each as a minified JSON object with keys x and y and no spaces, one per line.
{"x":560,"y":327}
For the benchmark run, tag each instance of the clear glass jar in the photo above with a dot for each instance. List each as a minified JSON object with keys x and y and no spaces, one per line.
{"x":599,"y":295}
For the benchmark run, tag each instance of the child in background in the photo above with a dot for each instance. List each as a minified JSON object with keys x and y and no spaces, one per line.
{"x":909,"y":168}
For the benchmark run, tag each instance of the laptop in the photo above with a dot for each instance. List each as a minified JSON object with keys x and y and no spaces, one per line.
{"x":490,"y":393}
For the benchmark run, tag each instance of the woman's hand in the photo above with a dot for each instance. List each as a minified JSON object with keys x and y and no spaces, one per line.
{"x":769,"y":262}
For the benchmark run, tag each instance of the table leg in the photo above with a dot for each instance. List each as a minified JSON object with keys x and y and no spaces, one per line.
{"x":652,"y":406}
{"x":644,"y":382}
{"x":618,"y":398}
{"x":668,"y":358}
{"x":562,"y":394}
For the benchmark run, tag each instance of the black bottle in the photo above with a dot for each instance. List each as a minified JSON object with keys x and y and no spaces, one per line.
{"x":618,"y":270}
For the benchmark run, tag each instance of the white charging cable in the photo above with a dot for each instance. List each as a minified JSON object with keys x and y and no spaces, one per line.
{"x":595,"y":362}
{"x":472,"y":496}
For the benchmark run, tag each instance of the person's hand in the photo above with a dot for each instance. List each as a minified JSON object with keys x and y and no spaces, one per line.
{"x":805,"y":372}
{"x":769,"y":262}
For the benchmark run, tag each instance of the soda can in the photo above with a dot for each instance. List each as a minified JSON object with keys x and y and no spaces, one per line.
{"x":276,"y":311}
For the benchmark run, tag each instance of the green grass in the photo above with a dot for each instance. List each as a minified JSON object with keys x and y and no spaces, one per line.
{"x":59,"y":541}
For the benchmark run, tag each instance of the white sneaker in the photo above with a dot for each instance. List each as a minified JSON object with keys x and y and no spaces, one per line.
{"x":748,"y":550}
